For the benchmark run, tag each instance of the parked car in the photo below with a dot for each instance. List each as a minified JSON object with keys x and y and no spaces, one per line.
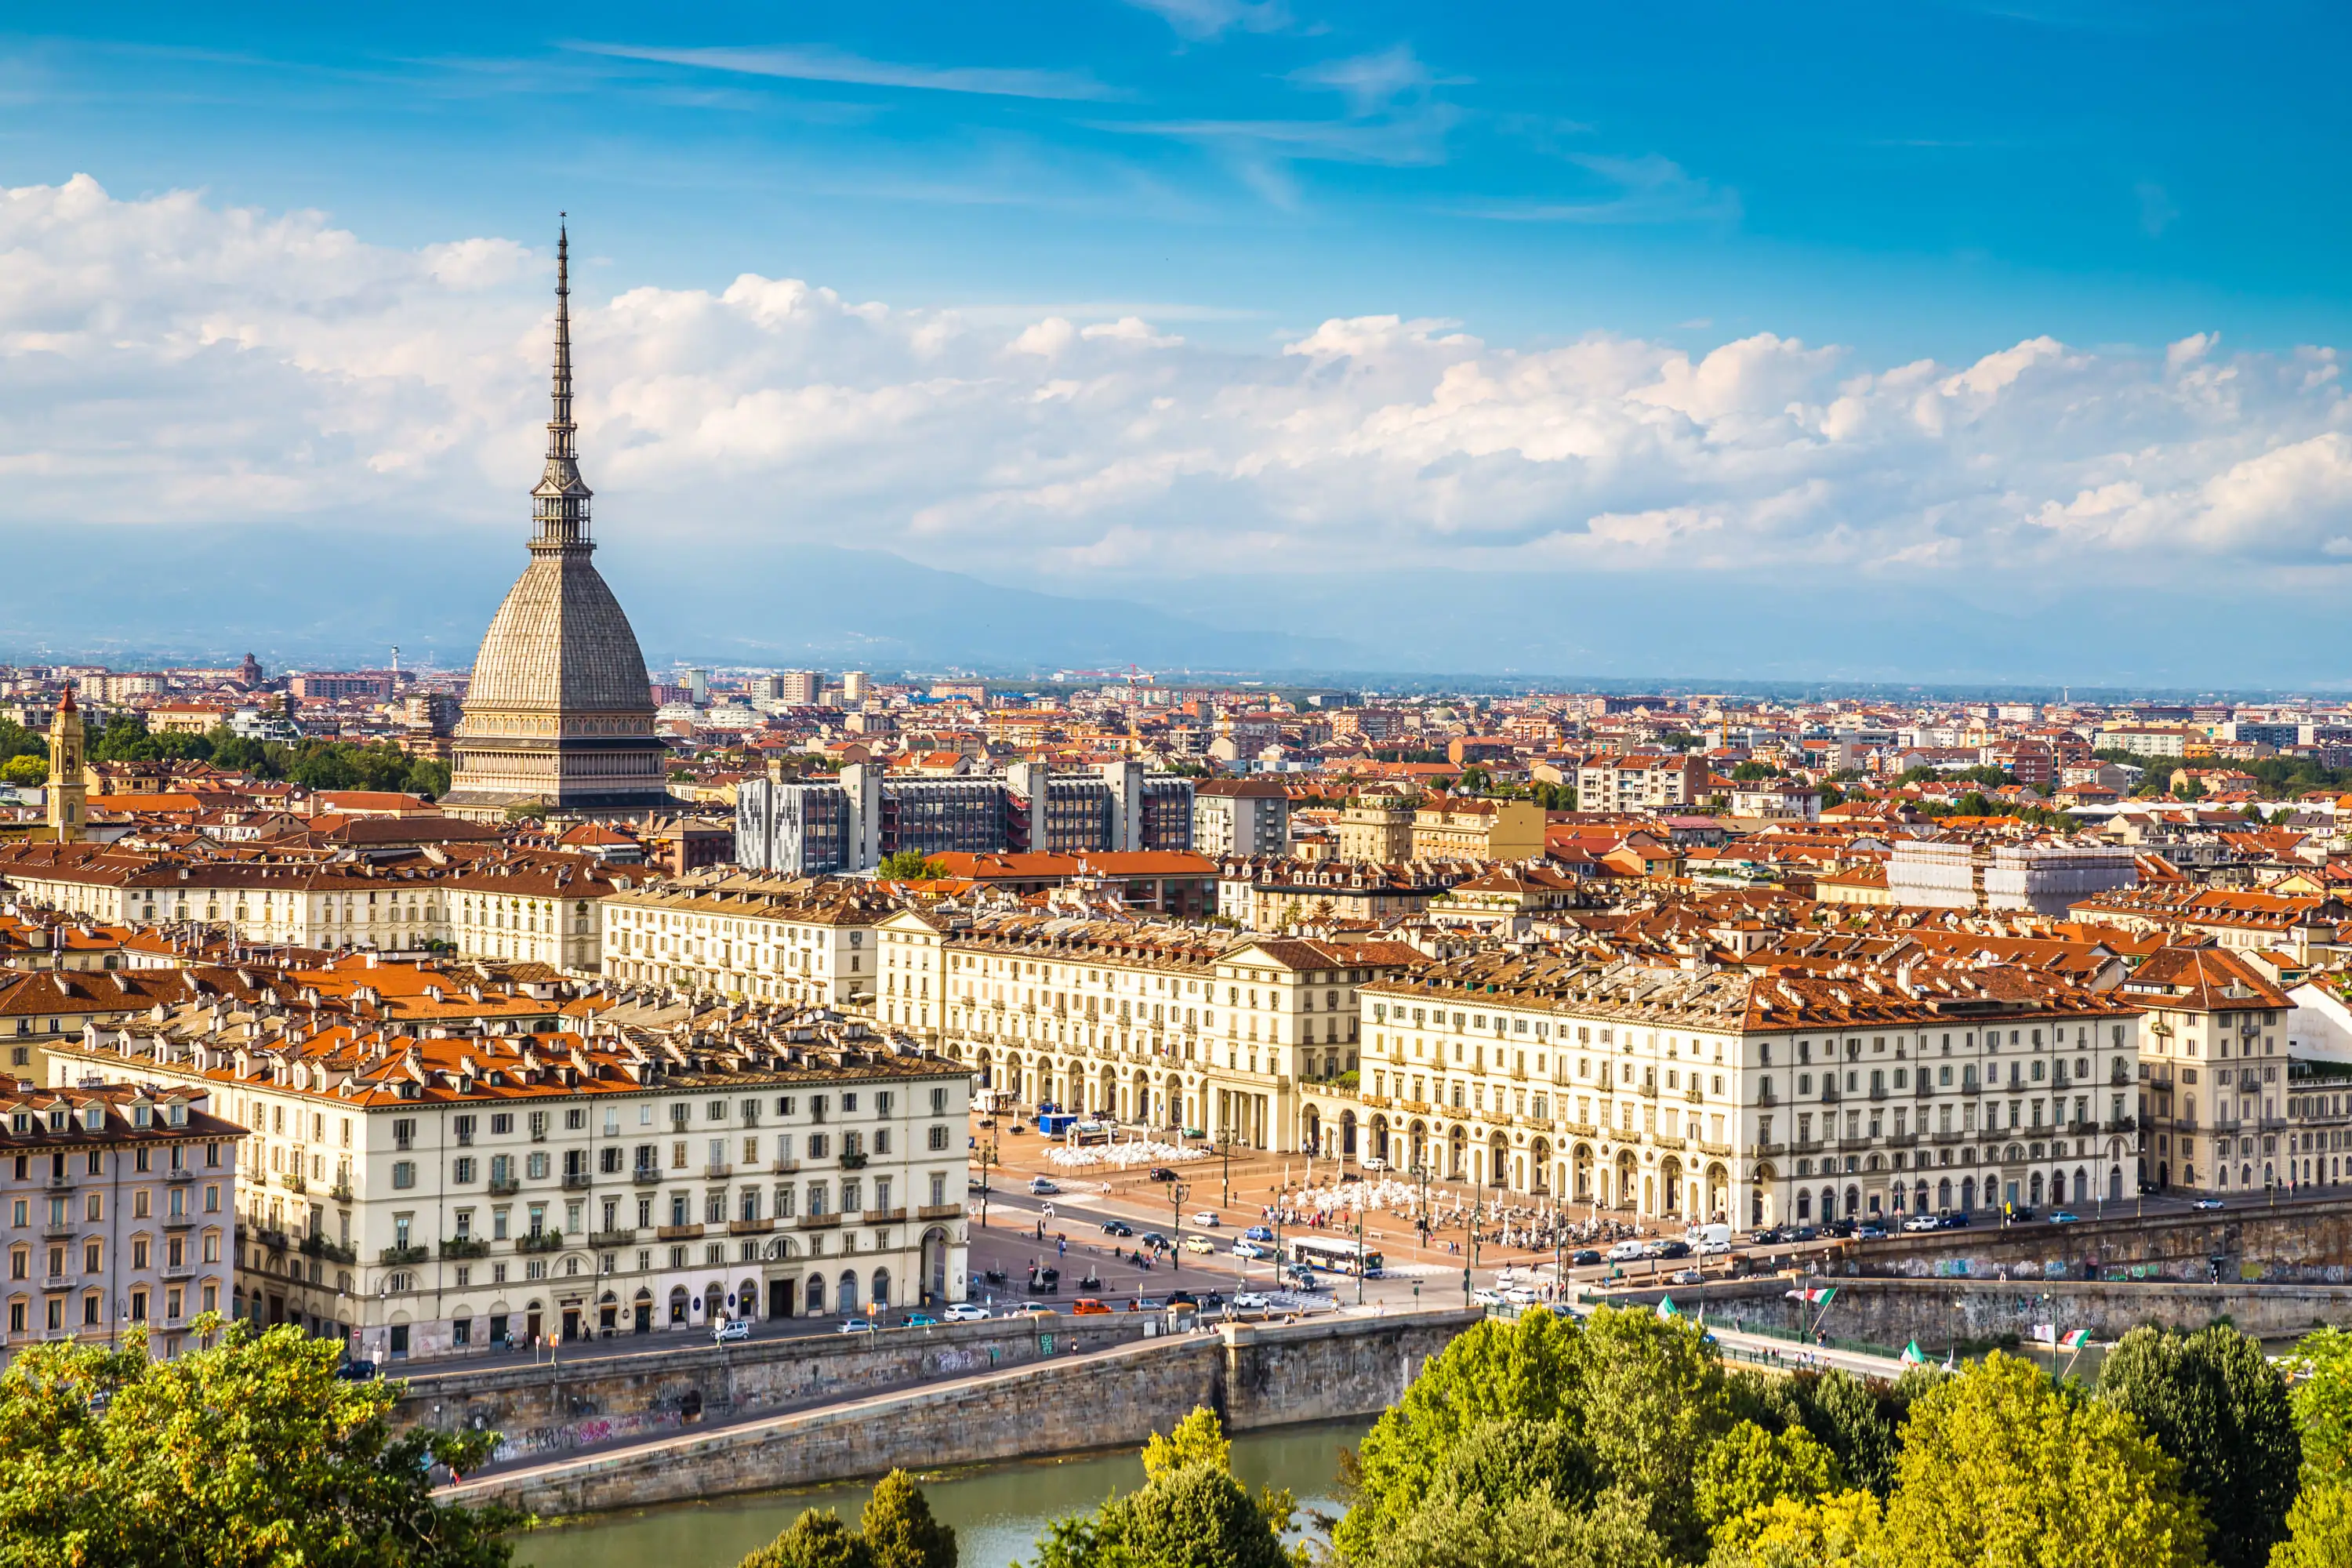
{"x":1207,"y":1217}
{"x":2207,"y":1204}
{"x":1258,"y":1232}
{"x":1088,"y":1306}
{"x":730,"y":1329}
{"x":967,"y":1312}
{"x":1162,"y":1174}
{"x":856,"y":1326}
{"x":1041,"y":1187}
{"x":1375,"y":1164}
{"x":1689,"y":1276}
{"x":1117,"y":1228}
{"x":1200,"y":1244}
{"x":1923,"y":1222}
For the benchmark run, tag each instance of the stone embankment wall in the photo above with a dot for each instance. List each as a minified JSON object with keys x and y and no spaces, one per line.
{"x":575,"y":1403}
{"x":1253,"y":1375}
{"x":2302,"y":1243}
{"x":1939,"y":1313}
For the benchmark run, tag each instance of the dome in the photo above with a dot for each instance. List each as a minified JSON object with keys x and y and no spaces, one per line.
{"x":561,"y":642}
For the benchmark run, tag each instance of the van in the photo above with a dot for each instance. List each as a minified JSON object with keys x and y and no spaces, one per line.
{"x":1710,"y":1239}
{"x":1626,"y":1252}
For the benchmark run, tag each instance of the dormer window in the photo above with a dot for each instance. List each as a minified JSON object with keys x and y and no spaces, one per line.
{"x":176,"y":1114}
{"x":93,"y":1120}
{"x":142,"y":1115}
{"x":57,"y":1120}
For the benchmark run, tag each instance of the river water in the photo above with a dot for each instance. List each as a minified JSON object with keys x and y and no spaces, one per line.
{"x":998,"y":1511}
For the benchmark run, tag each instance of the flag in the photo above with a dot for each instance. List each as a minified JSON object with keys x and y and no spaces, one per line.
{"x":1911,"y":1356}
{"x":2045,"y":1334}
{"x":1666,"y":1308}
{"x":1949,"y":1365}
{"x":1816,"y":1295}
{"x":2076,"y":1339}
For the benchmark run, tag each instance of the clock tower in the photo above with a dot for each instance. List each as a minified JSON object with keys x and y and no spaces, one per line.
{"x":68,"y":789}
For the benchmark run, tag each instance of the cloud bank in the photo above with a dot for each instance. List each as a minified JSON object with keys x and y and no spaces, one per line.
{"x":173,"y":361}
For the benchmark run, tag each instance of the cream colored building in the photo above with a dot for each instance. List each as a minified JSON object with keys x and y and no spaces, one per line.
{"x":755,"y":939}
{"x":1457,"y":827}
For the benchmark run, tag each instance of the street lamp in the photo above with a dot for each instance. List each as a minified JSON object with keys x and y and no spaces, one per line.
{"x":1177,"y":1193}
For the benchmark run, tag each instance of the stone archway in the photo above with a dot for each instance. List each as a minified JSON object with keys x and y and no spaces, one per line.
{"x":1670,"y":1187}
{"x":1498,"y":1160}
{"x":1458,"y":1150}
{"x":1628,"y":1181}
{"x":1539,"y":1163}
{"x":1346,"y":1134}
{"x":1580,"y":1177}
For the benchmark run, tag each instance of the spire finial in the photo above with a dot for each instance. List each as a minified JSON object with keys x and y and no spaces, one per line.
{"x":562,"y":496}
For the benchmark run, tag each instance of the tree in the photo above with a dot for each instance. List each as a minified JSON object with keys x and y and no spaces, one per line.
{"x":1751,"y":769}
{"x":247,"y":1451}
{"x":2319,"y":1528}
{"x":1856,"y":1421}
{"x":909,"y":866}
{"x":900,"y":1530}
{"x":817,"y":1539}
{"x":1191,"y":1513}
{"x":1751,"y":1469}
{"x":16,"y":741}
{"x":2213,"y":1402}
{"x":1846,"y":1529}
{"x":896,"y":1529}
{"x":2322,"y":1405}
{"x":2000,"y":1464}
{"x":23,"y":769}
{"x":1534,"y":1530}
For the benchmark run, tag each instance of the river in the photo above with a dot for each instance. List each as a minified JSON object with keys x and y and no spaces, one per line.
{"x":998,"y":1511}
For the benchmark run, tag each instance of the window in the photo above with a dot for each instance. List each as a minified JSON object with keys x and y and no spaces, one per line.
{"x":403,"y":1174}
{"x":939,"y":1138}
{"x":501,"y":1123}
{"x":404,"y":1132}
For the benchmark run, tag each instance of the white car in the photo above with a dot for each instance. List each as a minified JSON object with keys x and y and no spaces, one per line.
{"x":1039,"y":1186}
{"x":1485,"y":1296}
{"x":1374,"y":1164}
{"x":1626,"y":1251}
{"x":1921,"y":1222}
{"x":856,"y":1326}
{"x":1714,"y":1250}
{"x":1207,"y":1217}
{"x":1247,"y":1248}
{"x":732,"y":1329}
{"x":1522,"y":1296}
{"x":966,"y":1313}
{"x":1251,"y":1301}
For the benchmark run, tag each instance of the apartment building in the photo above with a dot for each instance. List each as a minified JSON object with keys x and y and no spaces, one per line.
{"x":538,"y":908}
{"x":1155,"y":1024}
{"x":749,"y":938}
{"x":445,"y":1190}
{"x":2214,"y":1098}
{"x":1465,"y":827}
{"x":1375,"y":833}
{"x":1754,"y":1097}
{"x":120,"y":1202}
{"x":1267,"y":894}
{"x":1640,"y":782}
{"x":1241,"y":816}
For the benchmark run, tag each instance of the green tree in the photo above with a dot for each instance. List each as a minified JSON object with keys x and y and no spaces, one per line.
{"x":1752,"y":770}
{"x":1190,"y":1514}
{"x":16,"y":741}
{"x":909,"y":866}
{"x":2213,"y":1402}
{"x":1533,"y":1530}
{"x":1856,"y":1421}
{"x":2002,"y":1466}
{"x":1846,"y":1529}
{"x":2319,"y":1528}
{"x":900,"y":1530}
{"x":817,"y":1539}
{"x":1198,"y":1439}
{"x":2322,"y":1405}
{"x":1750,"y":1469}
{"x":24,"y":768}
{"x":249,"y":1451}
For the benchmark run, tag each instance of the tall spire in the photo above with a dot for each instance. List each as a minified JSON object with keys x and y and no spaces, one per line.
{"x":560,"y":501}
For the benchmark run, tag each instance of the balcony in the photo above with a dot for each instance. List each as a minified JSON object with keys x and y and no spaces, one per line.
{"x":678,"y":1232}
{"x":2123,"y":1124}
{"x":644,"y":1177}
{"x":504,"y":1186}
{"x":292,"y":1182}
{"x":180,"y":1222}
{"x":273,"y":1240}
{"x":882,"y":1216}
{"x":1766,"y":1096}
{"x":180,"y":1177}
{"x":783,"y":1167}
{"x":539,"y":1241}
{"x":60,"y":1184}
{"x":320,"y":1246}
{"x":853,"y":1161}
{"x":576,"y":1180}
{"x":181,"y":1271}
{"x":939,"y":1211}
{"x":464,"y":1247}
{"x":749,"y":1226}
{"x":401,"y":1257}
{"x":819,"y":1221}
{"x":717,"y":1172}
{"x":341,"y":1191}
{"x":606,"y":1240}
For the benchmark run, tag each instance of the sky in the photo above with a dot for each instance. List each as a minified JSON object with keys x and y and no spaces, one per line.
{"x":1941,"y":341}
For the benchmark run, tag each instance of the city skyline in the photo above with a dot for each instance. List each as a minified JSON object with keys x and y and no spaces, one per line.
{"x":1694,"y":398}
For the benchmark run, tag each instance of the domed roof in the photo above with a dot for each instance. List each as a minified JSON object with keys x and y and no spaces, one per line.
{"x":561,"y":642}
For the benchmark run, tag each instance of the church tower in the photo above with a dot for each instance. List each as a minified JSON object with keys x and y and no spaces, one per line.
{"x":558,"y":710}
{"x":68,"y":789}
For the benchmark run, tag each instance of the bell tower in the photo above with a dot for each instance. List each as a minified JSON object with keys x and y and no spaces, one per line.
{"x":68,"y":789}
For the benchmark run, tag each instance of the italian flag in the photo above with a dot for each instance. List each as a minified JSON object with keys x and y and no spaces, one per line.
{"x":1666,"y":1308}
{"x":2074,"y":1339}
{"x":1911,"y":1356}
{"x":1815,"y":1295}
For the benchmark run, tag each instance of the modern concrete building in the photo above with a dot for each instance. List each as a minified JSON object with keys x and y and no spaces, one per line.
{"x":1241,"y":816}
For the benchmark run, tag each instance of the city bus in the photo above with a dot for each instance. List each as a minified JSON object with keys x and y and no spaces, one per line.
{"x":1335,"y":1256}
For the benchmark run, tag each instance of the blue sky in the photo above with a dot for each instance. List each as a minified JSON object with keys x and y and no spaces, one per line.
{"x":1948,"y":306}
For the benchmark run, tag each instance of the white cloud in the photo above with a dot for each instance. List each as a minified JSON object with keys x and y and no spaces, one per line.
{"x":1207,"y":18}
{"x":169,"y":359}
{"x":816,"y":63}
